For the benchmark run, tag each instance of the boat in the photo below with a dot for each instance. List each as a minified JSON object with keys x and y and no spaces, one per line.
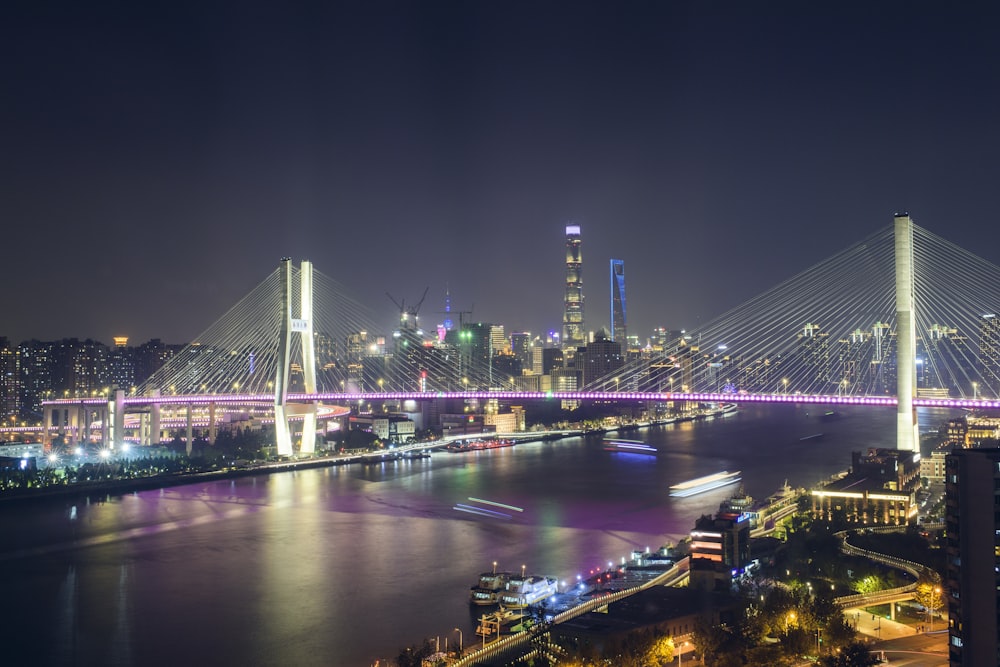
{"x":414,"y":454}
{"x":375,"y":459}
{"x":478,"y":444}
{"x":628,"y":446}
{"x":814,"y":436}
{"x":738,"y":503}
{"x":487,"y":590}
{"x":525,"y":591}
{"x":702,"y":484}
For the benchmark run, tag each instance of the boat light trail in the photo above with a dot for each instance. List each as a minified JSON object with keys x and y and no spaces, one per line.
{"x":495,"y":504}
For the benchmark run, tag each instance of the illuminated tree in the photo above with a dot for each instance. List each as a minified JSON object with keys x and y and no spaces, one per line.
{"x":869,"y":584}
{"x":928,"y":595}
{"x":661,"y":652}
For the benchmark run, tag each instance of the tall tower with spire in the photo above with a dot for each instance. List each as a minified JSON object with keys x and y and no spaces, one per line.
{"x":574,"y":333}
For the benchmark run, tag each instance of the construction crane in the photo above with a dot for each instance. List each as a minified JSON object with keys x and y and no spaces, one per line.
{"x":408,"y":316}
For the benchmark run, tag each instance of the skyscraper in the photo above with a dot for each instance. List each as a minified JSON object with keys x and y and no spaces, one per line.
{"x":972,"y":584}
{"x":618,"y":322}
{"x":574,"y":333}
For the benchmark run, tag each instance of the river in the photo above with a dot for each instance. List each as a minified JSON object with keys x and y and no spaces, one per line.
{"x":347,"y":565}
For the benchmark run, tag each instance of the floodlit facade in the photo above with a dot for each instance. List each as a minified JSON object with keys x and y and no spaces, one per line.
{"x":880,"y":490}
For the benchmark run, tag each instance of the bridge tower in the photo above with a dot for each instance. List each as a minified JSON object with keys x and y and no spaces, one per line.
{"x":907,"y":434}
{"x":303,"y":326}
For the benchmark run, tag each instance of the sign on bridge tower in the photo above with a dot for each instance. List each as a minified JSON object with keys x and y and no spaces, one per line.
{"x":303,"y":326}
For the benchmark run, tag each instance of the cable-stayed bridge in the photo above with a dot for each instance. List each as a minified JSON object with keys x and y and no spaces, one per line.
{"x":299,"y":348}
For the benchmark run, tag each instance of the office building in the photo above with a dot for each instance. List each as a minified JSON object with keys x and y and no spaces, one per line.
{"x":720,"y":550}
{"x":599,"y":359}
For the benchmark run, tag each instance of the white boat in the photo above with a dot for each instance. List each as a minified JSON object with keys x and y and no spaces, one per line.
{"x":702,"y":484}
{"x":487,"y":590}
{"x":525,"y":591}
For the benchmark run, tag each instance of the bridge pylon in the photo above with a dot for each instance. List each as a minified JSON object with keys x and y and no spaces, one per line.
{"x":907,"y":434}
{"x":303,"y":326}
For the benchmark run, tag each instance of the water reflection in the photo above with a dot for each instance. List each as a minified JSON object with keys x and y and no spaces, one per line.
{"x":345,"y":565}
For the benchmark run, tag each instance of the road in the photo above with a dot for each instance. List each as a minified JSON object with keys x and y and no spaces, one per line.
{"x":901,"y":643}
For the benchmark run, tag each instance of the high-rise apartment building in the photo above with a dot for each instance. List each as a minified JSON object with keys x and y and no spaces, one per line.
{"x":972,"y":524}
{"x":814,"y":350}
{"x":618,"y":321}
{"x":989,"y":355}
{"x":574,"y":332}
{"x":9,"y":403}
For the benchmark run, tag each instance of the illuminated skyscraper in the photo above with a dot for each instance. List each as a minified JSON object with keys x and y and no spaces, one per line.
{"x":574,"y":333}
{"x":618,"y":321}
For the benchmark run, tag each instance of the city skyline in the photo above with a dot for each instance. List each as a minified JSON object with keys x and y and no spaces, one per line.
{"x":162,"y":161}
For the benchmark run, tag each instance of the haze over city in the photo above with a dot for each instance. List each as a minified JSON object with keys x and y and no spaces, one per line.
{"x":159,"y":160}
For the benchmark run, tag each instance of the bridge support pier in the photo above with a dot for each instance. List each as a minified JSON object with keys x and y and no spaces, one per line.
{"x":116,"y":419}
{"x":190,"y":429}
{"x":212,"y":430}
{"x":104,"y":414}
{"x":907,"y":435}
{"x":46,"y":425}
{"x":154,"y":421}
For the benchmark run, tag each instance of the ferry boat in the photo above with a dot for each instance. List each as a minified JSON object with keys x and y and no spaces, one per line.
{"x":628,"y":446}
{"x":487,"y":590}
{"x":525,"y":591}
{"x":702,"y":484}
{"x":476,"y":445}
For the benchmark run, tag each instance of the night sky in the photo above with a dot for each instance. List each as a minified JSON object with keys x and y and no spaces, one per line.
{"x":157,"y":159}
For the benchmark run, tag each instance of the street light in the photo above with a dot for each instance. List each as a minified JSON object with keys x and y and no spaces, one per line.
{"x":680,"y":653}
{"x":459,"y":630}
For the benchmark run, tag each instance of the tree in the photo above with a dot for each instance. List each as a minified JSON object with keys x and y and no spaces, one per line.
{"x":869,"y":584}
{"x":413,"y":656}
{"x":853,"y":655}
{"x":660,"y":652}
{"x":928,"y":595}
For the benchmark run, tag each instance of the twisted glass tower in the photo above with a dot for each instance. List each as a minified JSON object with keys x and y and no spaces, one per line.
{"x":619,"y":329}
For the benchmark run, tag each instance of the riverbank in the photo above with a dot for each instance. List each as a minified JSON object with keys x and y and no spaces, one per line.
{"x":120,"y":486}
{"x":108,"y":487}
